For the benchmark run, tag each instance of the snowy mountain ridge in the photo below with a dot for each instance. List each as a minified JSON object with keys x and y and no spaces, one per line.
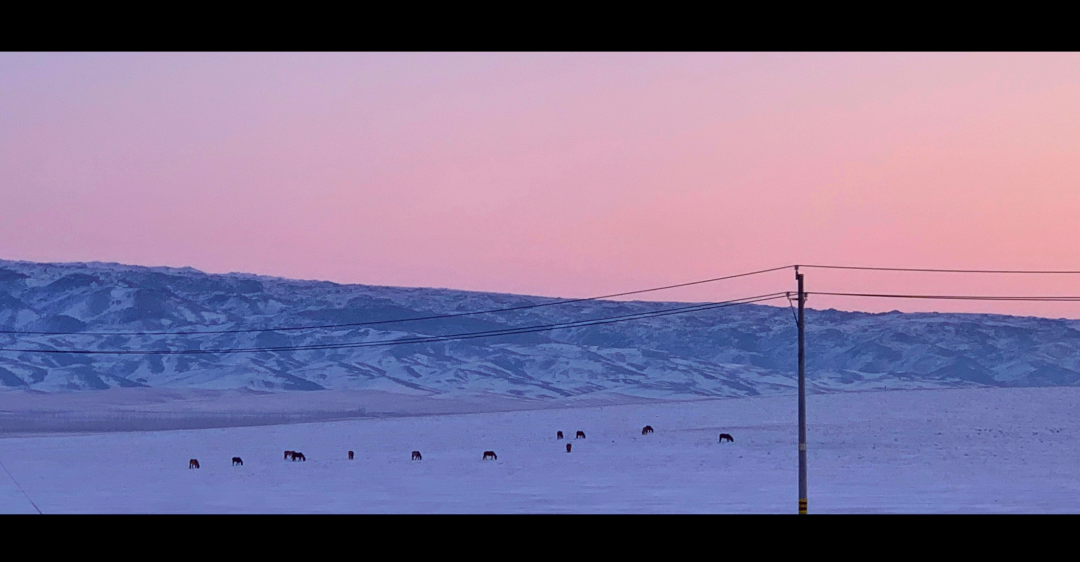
{"x":738,"y":351}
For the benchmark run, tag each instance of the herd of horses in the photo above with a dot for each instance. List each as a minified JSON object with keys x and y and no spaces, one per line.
{"x":298,"y":456}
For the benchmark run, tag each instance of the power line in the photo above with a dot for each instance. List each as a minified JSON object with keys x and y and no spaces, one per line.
{"x":925,"y":270}
{"x":19,"y":486}
{"x":422,"y":339}
{"x":586,"y":299}
{"x":954,"y":297}
{"x":397,"y":321}
{"x":523,"y":307}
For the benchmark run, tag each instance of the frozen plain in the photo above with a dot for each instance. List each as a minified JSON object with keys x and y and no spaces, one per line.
{"x":982,"y":450}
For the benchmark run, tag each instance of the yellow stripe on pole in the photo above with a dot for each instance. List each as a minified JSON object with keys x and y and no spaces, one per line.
{"x":802,"y":507}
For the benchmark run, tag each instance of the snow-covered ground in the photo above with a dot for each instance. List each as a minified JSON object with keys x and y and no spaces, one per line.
{"x":905,"y":451}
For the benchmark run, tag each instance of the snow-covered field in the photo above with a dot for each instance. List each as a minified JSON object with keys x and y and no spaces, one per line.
{"x":906,"y":451}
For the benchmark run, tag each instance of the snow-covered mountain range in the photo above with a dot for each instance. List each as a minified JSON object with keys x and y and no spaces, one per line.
{"x":738,"y":351}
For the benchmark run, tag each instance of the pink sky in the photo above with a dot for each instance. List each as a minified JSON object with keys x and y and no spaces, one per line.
{"x":552,"y":174}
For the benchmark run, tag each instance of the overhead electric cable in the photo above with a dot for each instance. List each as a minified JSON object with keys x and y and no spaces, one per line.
{"x":396,"y":321}
{"x":424,"y":339}
{"x":19,"y":486}
{"x":954,"y":297}
{"x":930,"y":270}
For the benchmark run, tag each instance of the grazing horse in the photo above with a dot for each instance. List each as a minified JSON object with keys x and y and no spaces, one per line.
{"x":193,"y":463}
{"x":567,"y":447}
{"x":646,"y":429}
{"x":288,"y":455}
{"x":237,"y":461}
{"x":580,"y":435}
{"x":726,"y":436}
{"x":558,"y":435}
{"x":350,"y":455}
{"x":490,"y":454}
{"x":416,"y":456}
{"x":298,"y":456}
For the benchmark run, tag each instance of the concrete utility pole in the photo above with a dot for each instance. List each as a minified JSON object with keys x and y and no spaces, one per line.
{"x":802,"y":395}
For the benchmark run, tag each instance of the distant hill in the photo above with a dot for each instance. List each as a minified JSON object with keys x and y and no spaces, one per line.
{"x":739,"y":351}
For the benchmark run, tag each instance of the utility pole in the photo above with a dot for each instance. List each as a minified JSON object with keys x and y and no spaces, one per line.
{"x":802,"y":395}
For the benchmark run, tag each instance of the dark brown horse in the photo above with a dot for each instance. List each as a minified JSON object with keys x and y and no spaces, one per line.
{"x":288,"y":455}
{"x":646,"y":429}
{"x":491,"y":455}
{"x":580,"y":435}
{"x":726,"y":436}
{"x":193,"y":463}
{"x":298,"y":456}
{"x":567,"y":447}
{"x":350,"y":455}
{"x":237,"y":461}
{"x":558,"y":435}
{"x":416,"y":456}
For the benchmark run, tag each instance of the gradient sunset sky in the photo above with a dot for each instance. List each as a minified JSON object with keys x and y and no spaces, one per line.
{"x":553,"y":174}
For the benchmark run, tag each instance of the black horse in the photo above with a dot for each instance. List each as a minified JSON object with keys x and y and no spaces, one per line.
{"x":558,"y":435}
{"x":491,"y":455}
{"x":567,"y":447}
{"x":580,"y":435}
{"x":350,"y":455}
{"x":726,"y":436}
{"x":298,"y":456}
{"x":416,"y":456}
{"x":237,"y":461}
{"x":193,"y":463}
{"x":646,"y":429}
